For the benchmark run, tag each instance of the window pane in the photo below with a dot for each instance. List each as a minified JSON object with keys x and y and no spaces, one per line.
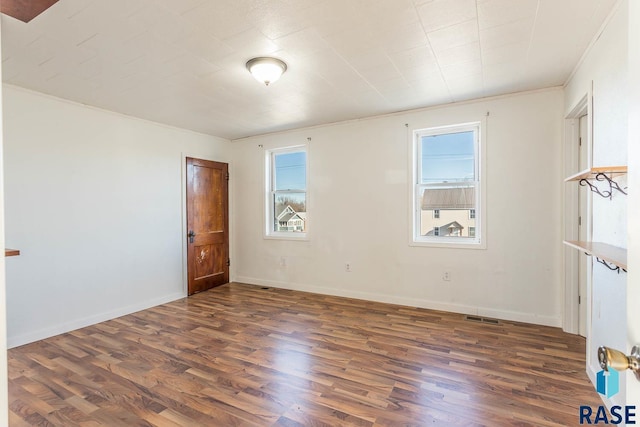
{"x":290,"y":171}
{"x":453,"y":205}
{"x":290,"y":212}
{"x":448,"y":157}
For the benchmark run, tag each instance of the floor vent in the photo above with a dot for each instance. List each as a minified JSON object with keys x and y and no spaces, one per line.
{"x":480,"y":319}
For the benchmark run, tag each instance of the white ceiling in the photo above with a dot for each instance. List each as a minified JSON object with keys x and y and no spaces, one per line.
{"x":182,"y":62}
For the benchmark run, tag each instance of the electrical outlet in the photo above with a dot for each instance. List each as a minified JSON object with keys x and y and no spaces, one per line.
{"x":283,"y":262}
{"x":347,"y":267}
{"x":446,"y":276}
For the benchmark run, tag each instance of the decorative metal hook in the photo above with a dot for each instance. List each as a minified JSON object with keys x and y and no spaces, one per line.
{"x":611,"y":267}
{"x":606,"y":194}
{"x":602,"y":177}
{"x":612,"y":184}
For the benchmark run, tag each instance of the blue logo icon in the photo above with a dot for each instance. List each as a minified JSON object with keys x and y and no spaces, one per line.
{"x":608,"y":382}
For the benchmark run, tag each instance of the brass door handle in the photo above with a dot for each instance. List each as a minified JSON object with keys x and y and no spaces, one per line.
{"x":610,"y":358}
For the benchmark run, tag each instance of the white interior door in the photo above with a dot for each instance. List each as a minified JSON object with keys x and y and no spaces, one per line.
{"x":633,"y":225}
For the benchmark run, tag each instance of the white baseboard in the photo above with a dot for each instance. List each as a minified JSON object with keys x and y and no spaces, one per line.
{"x":532,"y":318}
{"x":18,"y":340}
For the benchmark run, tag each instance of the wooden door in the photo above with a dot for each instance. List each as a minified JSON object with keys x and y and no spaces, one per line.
{"x":207,"y":224}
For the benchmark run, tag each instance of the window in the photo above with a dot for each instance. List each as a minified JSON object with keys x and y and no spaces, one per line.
{"x":286,"y":206}
{"x":446,"y":193}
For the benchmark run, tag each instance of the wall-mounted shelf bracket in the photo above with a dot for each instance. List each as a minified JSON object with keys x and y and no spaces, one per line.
{"x":602,"y":174}
{"x":609,"y":265}
{"x":602,"y":177}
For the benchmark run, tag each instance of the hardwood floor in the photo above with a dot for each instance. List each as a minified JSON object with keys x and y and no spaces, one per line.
{"x":240,"y":355}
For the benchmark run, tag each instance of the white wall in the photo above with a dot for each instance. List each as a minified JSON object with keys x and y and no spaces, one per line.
{"x":359,"y":213}
{"x":605,"y":66}
{"x":94,"y":203}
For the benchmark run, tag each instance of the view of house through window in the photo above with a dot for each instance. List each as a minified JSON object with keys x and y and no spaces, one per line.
{"x":446,"y":184}
{"x":287,"y":206}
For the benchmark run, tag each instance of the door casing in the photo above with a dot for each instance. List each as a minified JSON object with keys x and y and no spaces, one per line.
{"x":571,"y":164}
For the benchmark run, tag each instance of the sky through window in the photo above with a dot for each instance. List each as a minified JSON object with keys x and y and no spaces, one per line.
{"x":291,"y":171}
{"x":448,"y":157}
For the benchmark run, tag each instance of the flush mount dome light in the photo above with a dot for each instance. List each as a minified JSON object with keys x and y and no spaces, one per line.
{"x":266,"y":70}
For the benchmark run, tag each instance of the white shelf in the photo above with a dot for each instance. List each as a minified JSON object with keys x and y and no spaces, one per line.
{"x":610,"y":171}
{"x":609,"y":253}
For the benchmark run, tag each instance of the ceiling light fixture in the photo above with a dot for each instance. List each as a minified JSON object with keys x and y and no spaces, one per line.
{"x":266,"y":70}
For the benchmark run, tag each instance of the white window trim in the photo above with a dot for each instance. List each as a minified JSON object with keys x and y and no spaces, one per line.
{"x":480,"y":241}
{"x":269,"y":157}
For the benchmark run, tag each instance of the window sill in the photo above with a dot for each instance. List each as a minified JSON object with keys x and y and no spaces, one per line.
{"x":449,"y":244}
{"x":297,"y":237}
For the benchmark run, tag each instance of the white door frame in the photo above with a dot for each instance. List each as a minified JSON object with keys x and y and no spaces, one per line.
{"x":571,"y":312}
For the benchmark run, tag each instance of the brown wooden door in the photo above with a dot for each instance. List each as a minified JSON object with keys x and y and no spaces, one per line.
{"x":207,"y":224}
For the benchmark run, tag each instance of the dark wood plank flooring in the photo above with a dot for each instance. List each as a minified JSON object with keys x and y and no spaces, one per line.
{"x":240,"y":355}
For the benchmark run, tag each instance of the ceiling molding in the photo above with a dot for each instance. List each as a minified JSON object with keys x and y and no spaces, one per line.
{"x":25,"y":10}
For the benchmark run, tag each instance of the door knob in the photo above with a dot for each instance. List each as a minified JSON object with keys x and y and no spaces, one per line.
{"x":610,"y":358}
{"x":191,"y":235}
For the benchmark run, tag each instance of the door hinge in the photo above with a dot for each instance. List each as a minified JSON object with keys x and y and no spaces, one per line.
{"x":580,"y":142}
{"x":228,"y":262}
{"x":579,"y":221}
{"x":579,"y":300}
{"x":226,"y":176}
